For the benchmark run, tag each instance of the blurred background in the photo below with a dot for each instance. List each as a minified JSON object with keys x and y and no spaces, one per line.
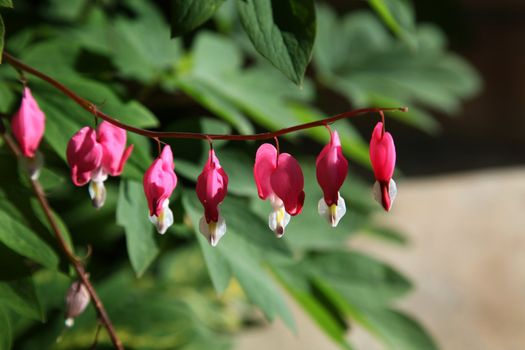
{"x":462,"y":196}
{"x":442,"y":270}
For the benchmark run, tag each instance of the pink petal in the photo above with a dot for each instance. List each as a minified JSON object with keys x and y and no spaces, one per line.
{"x":28,"y":124}
{"x":159,"y":181}
{"x":331,"y":169}
{"x":84,"y":155}
{"x":265,"y":164}
{"x":167,"y":157}
{"x":382,"y":154}
{"x":287,"y":182}
{"x":124,"y":159}
{"x":212,"y":186}
{"x":113,"y":141}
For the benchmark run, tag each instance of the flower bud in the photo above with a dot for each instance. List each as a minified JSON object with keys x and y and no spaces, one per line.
{"x":383,"y":158}
{"x":331,"y":171}
{"x":159,"y":182}
{"x":28,"y":124}
{"x":212,"y":186}
{"x":77,"y":299}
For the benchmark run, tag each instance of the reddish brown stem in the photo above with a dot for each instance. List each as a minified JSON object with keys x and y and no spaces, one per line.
{"x":92,"y":108}
{"x":74,"y":260}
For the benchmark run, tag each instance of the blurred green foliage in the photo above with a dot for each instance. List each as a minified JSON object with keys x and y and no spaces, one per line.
{"x":175,"y":291}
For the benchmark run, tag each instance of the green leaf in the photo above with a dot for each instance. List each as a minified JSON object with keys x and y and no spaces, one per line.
{"x":370,"y":68}
{"x":2,"y":34}
{"x":69,"y":11}
{"x":364,"y":288}
{"x":140,"y":158}
{"x":18,"y":265}
{"x":187,"y":15}
{"x":387,"y":234}
{"x":20,"y":239}
{"x":141,"y":48}
{"x":6,"y":3}
{"x":5,"y":330}
{"x":296,"y":283}
{"x":7,"y":97}
{"x":41,"y":216}
{"x":216,"y":103}
{"x":218,"y":267}
{"x":398,"y":16}
{"x":400,"y":331}
{"x":198,"y":150}
{"x":247,"y":244}
{"x":360,"y":279}
{"x":261,"y":92}
{"x":132,"y":214}
{"x":395,"y":329}
{"x":20,"y":296}
{"x":282,"y":31}
{"x":239,"y":168}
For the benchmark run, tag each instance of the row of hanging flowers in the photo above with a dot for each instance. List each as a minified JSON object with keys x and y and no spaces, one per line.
{"x":95,"y":154}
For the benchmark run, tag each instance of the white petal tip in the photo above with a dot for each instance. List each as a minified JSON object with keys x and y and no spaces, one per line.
{"x":333,"y":213}
{"x":164,"y":220}
{"x":97,"y":193}
{"x":213,"y":231}
{"x":392,"y":191}
{"x":388,"y":201}
{"x":34,"y":165}
{"x":278,"y":220}
{"x":69,"y":322}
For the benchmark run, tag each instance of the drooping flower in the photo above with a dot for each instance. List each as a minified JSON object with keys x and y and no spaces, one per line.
{"x":279,"y":178}
{"x":77,"y":299}
{"x":28,"y":124}
{"x":331,"y":171}
{"x":159,"y":182}
{"x":212,"y":186}
{"x":93,"y":155}
{"x":383,"y":158}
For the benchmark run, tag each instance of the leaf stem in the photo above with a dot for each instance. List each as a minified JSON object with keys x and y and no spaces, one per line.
{"x":93,"y":109}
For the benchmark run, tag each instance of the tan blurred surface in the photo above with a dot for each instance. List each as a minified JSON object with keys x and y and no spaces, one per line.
{"x":466,"y":258}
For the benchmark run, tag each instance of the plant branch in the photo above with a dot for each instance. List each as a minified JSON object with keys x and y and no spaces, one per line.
{"x":93,"y":109}
{"x":74,"y":260}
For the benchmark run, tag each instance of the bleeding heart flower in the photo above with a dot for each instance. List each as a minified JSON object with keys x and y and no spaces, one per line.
{"x":113,"y":141}
{"x":212,"y":186}
{"x":159,"y":182}
{"x":77,"y":299}
{"x":28,"y":124}
{"x":279,"y":178}
{"x":93,"y":155}
{"x":331,"y":171}
{"x":383,"y":158}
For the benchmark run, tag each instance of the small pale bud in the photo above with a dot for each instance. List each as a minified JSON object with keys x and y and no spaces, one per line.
{"x":77,"y":299}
